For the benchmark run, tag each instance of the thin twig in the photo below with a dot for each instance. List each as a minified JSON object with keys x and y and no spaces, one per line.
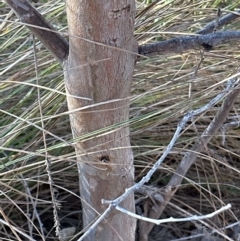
{"x":55,"y":203}
{"x":99,"y":220}
{"x":217,"y":22}
{"x":9,"y":224}
{"x":173,"y":220}
{"x":17,"y":230}
{"x":205,"y":224}
{"x":35,"y":212}
{"x":44,"y":135}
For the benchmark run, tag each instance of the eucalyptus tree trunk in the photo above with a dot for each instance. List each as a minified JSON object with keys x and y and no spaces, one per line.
{"x":101,"y":69}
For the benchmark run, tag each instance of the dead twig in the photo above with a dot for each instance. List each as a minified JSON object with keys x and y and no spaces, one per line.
{"x":190,"y":157}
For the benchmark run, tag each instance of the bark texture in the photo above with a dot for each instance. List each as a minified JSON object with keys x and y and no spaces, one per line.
{"x":39,"y":26}
{"x":103,"y":73}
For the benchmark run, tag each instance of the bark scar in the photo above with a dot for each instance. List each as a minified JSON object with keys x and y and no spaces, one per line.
{"x":117,"y":13}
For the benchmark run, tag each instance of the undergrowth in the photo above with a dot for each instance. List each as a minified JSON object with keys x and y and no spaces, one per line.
{"x":163,"y":89}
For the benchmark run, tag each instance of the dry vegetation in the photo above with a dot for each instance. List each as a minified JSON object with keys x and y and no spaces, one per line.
{"x":164,"y":88}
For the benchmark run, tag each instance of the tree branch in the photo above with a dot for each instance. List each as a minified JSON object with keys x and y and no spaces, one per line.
{"x":113,"y":204}
{"x":189,"y":158}
{"x":221,"y":21}
{"x":180,"y":45}
{"x":59,"y":47}
{"x":172,"y":45}
{"x":174,"y":220}
{"x":52,"y":40}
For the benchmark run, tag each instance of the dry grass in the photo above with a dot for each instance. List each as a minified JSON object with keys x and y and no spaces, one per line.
{"x":163,"y":89}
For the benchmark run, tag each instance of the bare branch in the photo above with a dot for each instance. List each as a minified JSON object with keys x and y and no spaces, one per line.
{"x":175,"y":46}
{"x":100,"y":219}
{"x":53,"y":41}
{"x":182,"y":44}
{"x":208,"y":227}
{"x":173,"y":220}
{"x":190,"y":157}
{"x":221,"y":21}
{"x":58,"y":46}
{"x":180,"y":126}
{"x":232,"y":124}
{"x":208,"y":133}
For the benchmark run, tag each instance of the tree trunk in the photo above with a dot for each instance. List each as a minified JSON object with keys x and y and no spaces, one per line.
{"x":102,"y":73}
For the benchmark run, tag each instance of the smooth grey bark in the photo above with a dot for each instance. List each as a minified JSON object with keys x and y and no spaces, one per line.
{"x":102,"y":74}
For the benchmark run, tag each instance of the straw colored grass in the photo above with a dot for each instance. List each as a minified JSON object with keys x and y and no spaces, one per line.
{"x":163,"y":89}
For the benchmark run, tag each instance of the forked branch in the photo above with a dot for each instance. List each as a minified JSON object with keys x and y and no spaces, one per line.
{"x":190,"y":157}
{"x":214,"y":126}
